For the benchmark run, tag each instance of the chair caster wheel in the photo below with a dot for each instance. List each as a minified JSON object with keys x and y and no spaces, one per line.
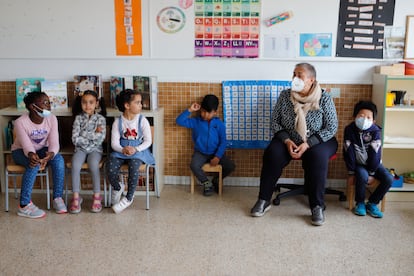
{"x":276,"y":201}
{"x":342,"y":197}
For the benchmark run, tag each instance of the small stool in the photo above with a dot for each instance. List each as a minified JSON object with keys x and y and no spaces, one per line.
{"x":350,"y":188}
{"x":210,"y":169}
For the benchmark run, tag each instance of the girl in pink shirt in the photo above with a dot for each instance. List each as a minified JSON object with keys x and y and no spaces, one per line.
{"x":37,"y":145}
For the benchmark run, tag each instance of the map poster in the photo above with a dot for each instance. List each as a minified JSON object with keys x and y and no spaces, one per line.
{"x":227,"y":28}
{"x":247,"y":108}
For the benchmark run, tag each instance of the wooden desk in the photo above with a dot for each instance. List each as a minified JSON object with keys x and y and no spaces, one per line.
{"x":156,"y":116}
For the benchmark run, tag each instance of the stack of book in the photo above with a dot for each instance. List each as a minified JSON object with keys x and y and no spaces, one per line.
{"x":147,"y":86}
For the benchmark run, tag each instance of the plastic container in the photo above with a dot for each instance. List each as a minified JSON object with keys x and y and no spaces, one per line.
{"x":409,"y":68}
{"x":398,"y":182}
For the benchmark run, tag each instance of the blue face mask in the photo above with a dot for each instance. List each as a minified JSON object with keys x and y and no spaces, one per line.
{"x":45,"y":113}
{"x":363,"y":123}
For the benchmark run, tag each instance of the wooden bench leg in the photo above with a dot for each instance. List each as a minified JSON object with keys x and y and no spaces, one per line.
{"x":192,"y":180}
{"x":220,"y":182}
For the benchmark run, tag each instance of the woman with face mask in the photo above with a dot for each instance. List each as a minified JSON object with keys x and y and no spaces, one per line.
{"x":37,"y":145}
{"x":304,"y":124}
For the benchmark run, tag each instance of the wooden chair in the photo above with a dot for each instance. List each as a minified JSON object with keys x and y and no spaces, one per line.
{"x":350,"y":191}
{"x":13,"y":170}
{"x":210,"y":169}
{"x":145,"y":172}
{"x":85,"y":171}
{"x":85,"y":168}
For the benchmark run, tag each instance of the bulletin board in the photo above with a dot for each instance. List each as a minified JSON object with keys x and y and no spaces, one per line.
{"x":361,"y":27}
{"x":247,"y":109}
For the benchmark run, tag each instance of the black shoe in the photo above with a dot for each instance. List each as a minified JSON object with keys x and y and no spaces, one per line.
{"x":260,"y":208}
{"x":318,"y":217}
{"x":215,"y":182}
{"x":208,"y":188}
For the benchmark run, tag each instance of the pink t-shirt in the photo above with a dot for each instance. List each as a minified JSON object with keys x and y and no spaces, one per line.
{"x":32,"y":137}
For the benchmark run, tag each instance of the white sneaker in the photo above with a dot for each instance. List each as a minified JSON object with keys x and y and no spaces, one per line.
{"x":122,"y":205}
{"x":116,"y":195}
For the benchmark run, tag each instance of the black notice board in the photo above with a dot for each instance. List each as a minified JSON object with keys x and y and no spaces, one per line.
{"x":361,"y":27}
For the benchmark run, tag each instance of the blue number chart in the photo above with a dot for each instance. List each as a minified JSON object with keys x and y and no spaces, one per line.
{"x":247,"y":108}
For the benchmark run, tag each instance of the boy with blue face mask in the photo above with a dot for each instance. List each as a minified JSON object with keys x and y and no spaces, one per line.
{"x":362,"y":154}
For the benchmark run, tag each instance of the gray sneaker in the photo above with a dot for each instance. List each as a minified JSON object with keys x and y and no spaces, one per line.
{"x":59,"y":206}
{"x":31,"y":211}
{"x":116,"y":195}
{"x":318,"y":217}
{"x":208,"y":188}
{"x":260,"y":208}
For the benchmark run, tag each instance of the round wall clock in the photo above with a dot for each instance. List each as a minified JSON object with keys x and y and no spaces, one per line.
{"x":171,"y":19}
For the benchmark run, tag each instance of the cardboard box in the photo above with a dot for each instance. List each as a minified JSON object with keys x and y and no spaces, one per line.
{"x":397,"y":69}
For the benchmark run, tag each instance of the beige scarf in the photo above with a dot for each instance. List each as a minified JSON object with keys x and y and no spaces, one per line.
{"x":302,"y":104}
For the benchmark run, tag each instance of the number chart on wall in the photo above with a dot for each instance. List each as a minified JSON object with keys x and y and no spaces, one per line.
{"x":227,"y":28}
{"x":247,"y":108}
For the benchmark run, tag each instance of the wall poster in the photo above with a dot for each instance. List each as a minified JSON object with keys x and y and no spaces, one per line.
{"x":247,"y":109}
{"x":128,"y":27}
{"x":361,"y":27}
{"x":227,"y":28}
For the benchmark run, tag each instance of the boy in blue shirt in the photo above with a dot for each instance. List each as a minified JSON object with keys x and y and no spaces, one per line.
{"x":362,"y":154}
{"x":209,"y":138}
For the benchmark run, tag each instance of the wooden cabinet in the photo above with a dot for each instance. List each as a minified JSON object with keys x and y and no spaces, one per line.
{"x":156,"y":118}
{"x":397,"y":123}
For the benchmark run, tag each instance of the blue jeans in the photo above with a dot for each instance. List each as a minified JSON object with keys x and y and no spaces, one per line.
{"x":57,"y":164}
{"x":361,"y":179}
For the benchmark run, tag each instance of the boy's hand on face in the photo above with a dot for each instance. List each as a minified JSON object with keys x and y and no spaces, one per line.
{"x":194,"y":107}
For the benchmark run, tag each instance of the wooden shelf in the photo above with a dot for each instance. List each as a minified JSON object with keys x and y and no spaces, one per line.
{"x":405,"y":188}
{"x":398,"y":146}
{"x":402,"y":108}
{"x":396,"y":123}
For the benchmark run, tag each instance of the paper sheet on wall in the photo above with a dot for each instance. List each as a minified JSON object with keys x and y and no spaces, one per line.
{"x":279,"y":46}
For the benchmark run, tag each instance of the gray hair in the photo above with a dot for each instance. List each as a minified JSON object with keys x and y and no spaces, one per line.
{"x":309,"y":67}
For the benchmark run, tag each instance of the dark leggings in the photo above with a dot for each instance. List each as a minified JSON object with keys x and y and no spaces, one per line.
{"x":314,"y":163}
{"x":113,"y":167}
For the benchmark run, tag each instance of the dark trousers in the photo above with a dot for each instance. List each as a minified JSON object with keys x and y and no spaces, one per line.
{"x":361,"y":175}
{"x":314,"y":163}
{"x":199,"y":159}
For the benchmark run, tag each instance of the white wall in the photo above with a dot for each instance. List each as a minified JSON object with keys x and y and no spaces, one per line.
{"x":61,"y":38}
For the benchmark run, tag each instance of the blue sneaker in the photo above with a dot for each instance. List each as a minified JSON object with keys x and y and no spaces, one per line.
{"x":360,"y":209}
{"x":373,"y":210}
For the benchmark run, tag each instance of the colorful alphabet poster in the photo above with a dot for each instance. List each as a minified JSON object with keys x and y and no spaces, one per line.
{"x":247,"y":109}
{"x":227,"y":28}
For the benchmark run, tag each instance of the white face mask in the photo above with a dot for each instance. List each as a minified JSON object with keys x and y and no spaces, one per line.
{"x":297,"y":84}
{"x":45,"y":113}
{"x":363,"y":123}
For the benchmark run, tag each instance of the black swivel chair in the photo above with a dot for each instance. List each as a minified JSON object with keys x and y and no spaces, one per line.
{"x":299,"y":189}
